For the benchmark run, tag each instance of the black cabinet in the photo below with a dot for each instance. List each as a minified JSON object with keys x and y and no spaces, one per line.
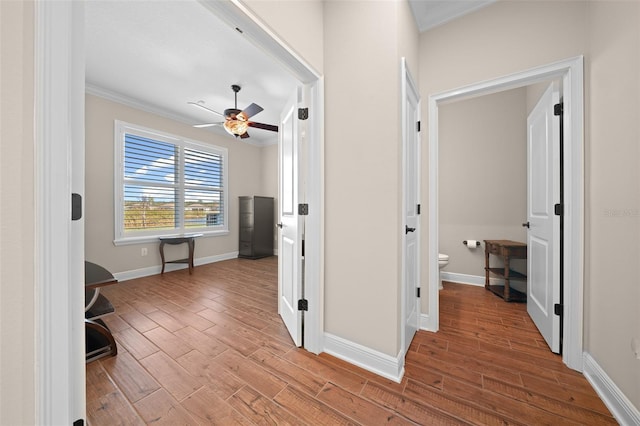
{"x":256,"y":227}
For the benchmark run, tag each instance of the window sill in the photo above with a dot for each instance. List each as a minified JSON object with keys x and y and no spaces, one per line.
{"x":155,"y":238}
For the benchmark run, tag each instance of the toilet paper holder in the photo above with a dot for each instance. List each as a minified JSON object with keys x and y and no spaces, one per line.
{"x":477,"y":243}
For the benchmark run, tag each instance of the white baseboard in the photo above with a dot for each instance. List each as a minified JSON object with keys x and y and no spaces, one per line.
{"x":478,"y":280}
{"x":155,"y":270}
{"x":364,"y":357}
{"x":619,"y":405}
{"x":427,"y":323}
{"x":463,"y":278}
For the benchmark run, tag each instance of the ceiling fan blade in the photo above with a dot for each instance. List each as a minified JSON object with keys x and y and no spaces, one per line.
{"x":205,"y":108}
{"x":263,"y":126}
{"x":250,"y":111}
{"x":244,"y":135}
{"x":200,"y":126}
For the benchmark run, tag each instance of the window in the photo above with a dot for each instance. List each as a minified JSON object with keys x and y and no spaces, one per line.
{"x":167,"y":185}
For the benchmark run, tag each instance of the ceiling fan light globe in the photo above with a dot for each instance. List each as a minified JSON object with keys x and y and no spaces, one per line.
{"x":236,"y":127}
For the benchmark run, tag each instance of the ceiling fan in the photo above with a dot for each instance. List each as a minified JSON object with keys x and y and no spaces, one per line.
{"x":236,"y":122}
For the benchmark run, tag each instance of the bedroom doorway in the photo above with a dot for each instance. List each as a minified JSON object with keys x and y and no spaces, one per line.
{"x":61,"y":36}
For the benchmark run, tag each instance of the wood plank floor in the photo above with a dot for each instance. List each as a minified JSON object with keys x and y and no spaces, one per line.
{"x":209,"y":348}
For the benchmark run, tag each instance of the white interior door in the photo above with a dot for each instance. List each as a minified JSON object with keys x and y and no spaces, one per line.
{"x":411,"y":258}
{"x":290,"y":232}
{"x":543,"y":266}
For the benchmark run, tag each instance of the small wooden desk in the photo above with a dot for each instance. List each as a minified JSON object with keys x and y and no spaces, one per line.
{"x":99,"y":340}
{"x":190,"y":239}
{"x":508,"y":250}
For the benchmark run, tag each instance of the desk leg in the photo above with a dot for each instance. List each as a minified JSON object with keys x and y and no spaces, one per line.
{"x":192,"y":247}
{"x":506,"y":276}
{"x":162,"y":255}
{"x":486,"y":264}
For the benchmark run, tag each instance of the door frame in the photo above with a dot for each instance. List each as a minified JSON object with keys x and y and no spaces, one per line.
{"x":571,"y":71}
{"x":59,"y":75}
{"x":239,"y":16}
{"x":408,"y":84}
{"x":59,"y":242}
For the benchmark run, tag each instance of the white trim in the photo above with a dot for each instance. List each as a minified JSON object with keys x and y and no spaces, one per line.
{"x":155,"y":270}
{"x":364,"y":357}
{"x":453,"y":277}
{"x":425,"y":323}
{"x":571,"y":71}
{"x":314,"y":227}
{"x":121,"y":128}
{"x":478,"y":280}
{"x":154,"y":238}
{"x":239,"y":16}
{"x":161,"y":112}
{"x":616,"y":401}
{"x":59,"y":283}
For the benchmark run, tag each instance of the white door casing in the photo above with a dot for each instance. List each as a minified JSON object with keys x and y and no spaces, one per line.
{"x":571,"y":72}
{"x":543,"y":235}
{"x":410,"y":200}
{"x":57,"y":401}
{"x":290,"y":262}
{"x":237,"y":15}
{"x":59,"y":266}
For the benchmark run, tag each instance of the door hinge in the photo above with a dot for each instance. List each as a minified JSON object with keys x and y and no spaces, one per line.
{"x":417,"y":291}
{"x":303,"y":305}
{"x":302,"y":243}
{"x":558,"y":109}
{"x":558,"y":210}
{"x":557,"y":309}
{"x":303,"y":113}
{"x":418,"y":126}
{"x":303,"y":209}
{"x":418,"y":209}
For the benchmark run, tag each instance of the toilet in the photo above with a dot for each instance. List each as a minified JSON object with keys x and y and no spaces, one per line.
{"x":443,"y":260}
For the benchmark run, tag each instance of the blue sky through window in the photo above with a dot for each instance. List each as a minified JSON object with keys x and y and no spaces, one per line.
{"x":151,"y":172}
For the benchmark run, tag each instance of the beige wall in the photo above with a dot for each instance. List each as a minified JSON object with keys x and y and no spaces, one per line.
{"x":362,"y":173}
{"x":245,"y":178}
{"x":357,"y":45}
{"x":482,"y":176}
{"x":513,"y":36}
{"x":298,"y":23}
{"x":612,"y":269}
{"x":17,"y":216}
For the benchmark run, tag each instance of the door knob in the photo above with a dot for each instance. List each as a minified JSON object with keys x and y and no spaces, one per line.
{"x":279,"y":225}
{"x":407,"y":229}
{"x":526,"y":225}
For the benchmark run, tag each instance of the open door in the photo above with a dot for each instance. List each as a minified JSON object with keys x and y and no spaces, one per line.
{"x":411,"y":168}
{"x":290,"y":261}
{"x":543,"y":237}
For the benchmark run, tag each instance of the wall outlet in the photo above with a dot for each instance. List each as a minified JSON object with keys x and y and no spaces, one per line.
{"x":144,"y":251}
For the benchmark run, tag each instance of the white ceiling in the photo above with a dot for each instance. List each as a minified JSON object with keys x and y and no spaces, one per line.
{"x":431,"y":13}
{"x":158,"y":55}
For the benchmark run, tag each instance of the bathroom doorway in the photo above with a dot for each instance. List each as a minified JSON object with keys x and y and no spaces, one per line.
{"x":485,"y":193}
{"x":569,"y":72}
